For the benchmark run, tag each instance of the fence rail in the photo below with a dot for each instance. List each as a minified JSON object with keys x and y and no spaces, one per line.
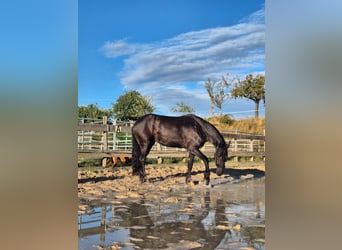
{"x":106,"y":140}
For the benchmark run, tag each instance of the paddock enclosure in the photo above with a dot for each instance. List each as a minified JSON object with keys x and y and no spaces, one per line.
{"x":98,"y":139}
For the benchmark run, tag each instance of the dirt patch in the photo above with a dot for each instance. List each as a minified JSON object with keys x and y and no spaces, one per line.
{"x":119,"y":183}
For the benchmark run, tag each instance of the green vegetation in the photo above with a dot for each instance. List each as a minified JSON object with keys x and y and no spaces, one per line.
{"x":182,"y":108}
{"x":90,"y":163}
{"x":132,"y":105}
{"x":253,"y":88}
{"x":93,"y":111}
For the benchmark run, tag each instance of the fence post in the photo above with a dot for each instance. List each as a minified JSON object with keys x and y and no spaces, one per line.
{"x":105,"y":140}
{"x":236,"y":158}
{"x":251,"y":149}
{"x":90,"y":140}
{"x":114,"y":140}
{"x":82,"y":139}
{"x":159,"y":159}
{"x":126,"y":141}
{"x":251,"y":145}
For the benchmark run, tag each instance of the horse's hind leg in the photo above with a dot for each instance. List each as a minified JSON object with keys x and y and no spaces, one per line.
{"x":142,"y":174}
{"x":142,"y":158}
{"x":190,"y":163}
{"x":136,"y":152}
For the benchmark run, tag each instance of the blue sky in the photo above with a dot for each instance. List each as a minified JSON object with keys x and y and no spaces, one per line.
{"x":167,"y":50}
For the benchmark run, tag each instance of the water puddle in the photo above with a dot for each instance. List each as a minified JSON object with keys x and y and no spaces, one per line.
{"x":222,"y":216}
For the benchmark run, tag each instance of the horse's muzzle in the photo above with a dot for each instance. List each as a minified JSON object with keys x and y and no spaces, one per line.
{"x":219,"y":171}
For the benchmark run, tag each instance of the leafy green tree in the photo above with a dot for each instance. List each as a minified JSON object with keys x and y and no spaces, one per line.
{"x":227,"y":119}
{"x":182,"y":108}
{"x":253,"y":88}
{"x":218,"y":93}
{"x":132,"y":105}
{"x":93,"y":111}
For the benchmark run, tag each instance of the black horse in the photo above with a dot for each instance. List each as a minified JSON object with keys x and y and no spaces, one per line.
{"x":188,"y":131}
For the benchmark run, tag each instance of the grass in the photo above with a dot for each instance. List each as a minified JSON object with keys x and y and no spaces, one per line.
{"x":90,"y":163}
{"x":249,"y":125}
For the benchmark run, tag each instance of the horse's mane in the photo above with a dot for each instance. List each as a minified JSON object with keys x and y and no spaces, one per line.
{"x":215,"y":136}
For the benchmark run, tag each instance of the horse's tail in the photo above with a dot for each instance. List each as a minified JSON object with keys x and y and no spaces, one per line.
{"x":135,"y":156}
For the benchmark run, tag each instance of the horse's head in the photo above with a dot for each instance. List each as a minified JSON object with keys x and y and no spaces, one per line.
{"x":221,"y":156}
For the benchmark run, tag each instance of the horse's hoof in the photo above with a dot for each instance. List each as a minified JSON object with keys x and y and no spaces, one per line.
{"x":135,"y":173}
{"x":143,"y":179}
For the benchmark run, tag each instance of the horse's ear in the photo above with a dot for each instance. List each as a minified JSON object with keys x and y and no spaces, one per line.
{"x":228,"y":145}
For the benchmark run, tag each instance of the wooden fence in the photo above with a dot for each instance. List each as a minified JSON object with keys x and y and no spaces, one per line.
{"x":104,"y":140}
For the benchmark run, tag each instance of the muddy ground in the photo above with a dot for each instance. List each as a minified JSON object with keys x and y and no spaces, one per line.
{"x":98,"y":182}
{"x":165,"y":194}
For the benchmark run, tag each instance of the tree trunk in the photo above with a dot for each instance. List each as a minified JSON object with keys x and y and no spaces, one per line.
{"x":256,"y":111}
{"x":212,"y":107}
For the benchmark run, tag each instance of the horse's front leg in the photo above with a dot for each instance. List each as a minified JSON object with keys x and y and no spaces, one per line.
{"x":190,"y":163}
{"x":207,"y":171}
{"x":200,"y":155}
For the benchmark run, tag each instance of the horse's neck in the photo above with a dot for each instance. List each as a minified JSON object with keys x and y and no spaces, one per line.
{"x":212,"y":134}
{"x":216,"y":139}
{"x":219,"y":144}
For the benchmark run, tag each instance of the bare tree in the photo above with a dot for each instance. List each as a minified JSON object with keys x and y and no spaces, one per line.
{"x":218,"y":93}
{"x":209,"y":86}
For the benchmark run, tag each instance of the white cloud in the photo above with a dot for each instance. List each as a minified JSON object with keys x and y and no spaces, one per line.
{"x":117,"y":48}
{"x":163,"y":69}
{"x":164,"y":98}
{"x":256,"y":17}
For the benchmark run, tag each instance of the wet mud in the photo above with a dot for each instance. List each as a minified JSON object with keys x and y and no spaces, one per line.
{"x":116,"y":211}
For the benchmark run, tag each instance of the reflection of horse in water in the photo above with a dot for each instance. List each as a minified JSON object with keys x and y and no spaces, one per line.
{"x":155,"y":229}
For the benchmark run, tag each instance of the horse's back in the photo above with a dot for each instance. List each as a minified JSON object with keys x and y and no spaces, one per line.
{"x":151,"y":121}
